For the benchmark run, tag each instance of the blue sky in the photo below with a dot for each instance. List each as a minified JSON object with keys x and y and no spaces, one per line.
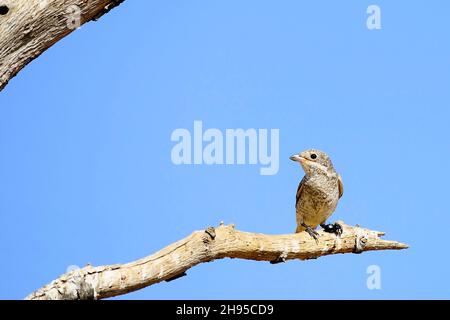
{"x":85,"y":143}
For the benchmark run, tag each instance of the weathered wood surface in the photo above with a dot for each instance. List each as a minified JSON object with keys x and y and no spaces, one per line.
{"x":29,"y":27}
{"x":204,"y":246}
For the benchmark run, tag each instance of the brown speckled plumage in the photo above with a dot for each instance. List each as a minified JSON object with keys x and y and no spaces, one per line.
{"x":319,"y":191}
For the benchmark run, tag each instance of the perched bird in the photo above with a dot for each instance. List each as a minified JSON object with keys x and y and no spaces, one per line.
{"x":318,"y":193}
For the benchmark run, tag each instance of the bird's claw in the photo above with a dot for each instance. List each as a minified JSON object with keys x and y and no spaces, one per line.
{"x":313,"y":233}
{"x":335,"y":228}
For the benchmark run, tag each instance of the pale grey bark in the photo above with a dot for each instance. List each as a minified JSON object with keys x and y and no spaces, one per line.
{"x":204,"y":246}
{"x":29,"y":27}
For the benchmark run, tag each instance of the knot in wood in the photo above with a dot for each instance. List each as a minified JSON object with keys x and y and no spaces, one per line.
{"x":360,"y":240}
{"x":84,"y":289}
{"x":211,"y":232}
{"x":4,"y":10}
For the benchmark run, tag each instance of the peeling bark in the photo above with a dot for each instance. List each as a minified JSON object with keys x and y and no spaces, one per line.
{"x":173,"y":261}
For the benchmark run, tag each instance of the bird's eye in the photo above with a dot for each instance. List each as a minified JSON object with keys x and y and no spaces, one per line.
{"x":313,"y":156}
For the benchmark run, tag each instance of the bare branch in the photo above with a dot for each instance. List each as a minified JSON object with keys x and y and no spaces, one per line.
{"x":204,"y":246}
{"x":29,"y":27}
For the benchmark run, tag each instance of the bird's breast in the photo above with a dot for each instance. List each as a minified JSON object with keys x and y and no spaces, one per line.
{"x":322,"y":190}
{"x":318,"y":200}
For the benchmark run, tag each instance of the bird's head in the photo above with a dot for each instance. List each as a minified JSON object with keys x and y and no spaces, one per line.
{"x":313,"y":160}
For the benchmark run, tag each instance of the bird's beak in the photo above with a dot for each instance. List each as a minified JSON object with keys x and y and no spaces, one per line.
{"x":297,"y":158}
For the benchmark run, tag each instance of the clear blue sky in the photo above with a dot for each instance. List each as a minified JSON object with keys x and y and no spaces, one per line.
{"x":85,"y":168}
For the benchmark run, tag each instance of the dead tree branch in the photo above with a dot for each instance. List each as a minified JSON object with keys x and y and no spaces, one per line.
{"x":203,"y":246}
{"x":29,"y":27}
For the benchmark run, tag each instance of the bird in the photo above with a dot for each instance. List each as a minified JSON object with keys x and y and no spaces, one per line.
{"x":318,"y":193}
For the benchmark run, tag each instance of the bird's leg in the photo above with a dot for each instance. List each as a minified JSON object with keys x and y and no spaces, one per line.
{"x":311,"y":232}
{"x":335,"y":228}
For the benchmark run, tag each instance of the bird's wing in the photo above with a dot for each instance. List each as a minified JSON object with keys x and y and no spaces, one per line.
{"x":341,"y":187}
{"x":299,"y":191}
